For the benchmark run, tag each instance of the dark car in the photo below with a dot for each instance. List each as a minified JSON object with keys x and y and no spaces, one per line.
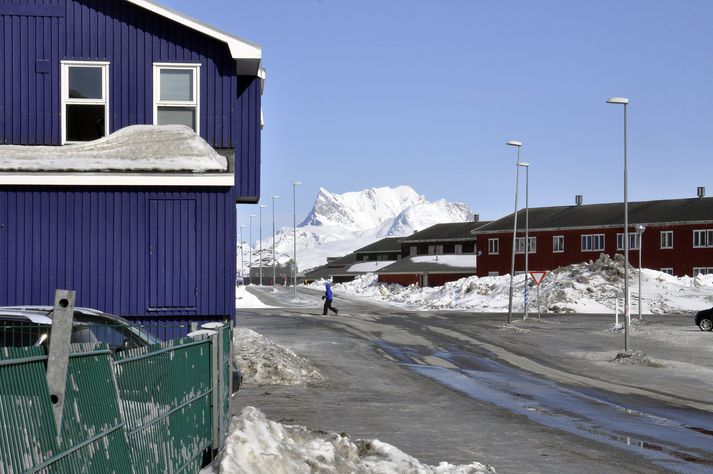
{"x":704,"y":319}
{"x":22,"y":326}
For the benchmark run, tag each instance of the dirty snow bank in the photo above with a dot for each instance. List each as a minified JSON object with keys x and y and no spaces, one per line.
{"x":134,"y":148}
{"x":258,"y":445}
{"x":589,"y":287}
{"x":264,"y":362}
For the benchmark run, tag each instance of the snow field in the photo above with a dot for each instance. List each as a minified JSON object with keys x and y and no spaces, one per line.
{"x":590,"y":287}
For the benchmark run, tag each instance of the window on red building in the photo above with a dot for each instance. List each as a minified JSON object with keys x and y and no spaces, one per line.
{"x":666,"y":239}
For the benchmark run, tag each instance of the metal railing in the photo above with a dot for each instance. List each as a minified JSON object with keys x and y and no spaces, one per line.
{"x":159,"y":407}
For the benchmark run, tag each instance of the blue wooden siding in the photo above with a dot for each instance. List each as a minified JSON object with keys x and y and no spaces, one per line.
{"x":97,"y":242}
{"x":37,"y":34}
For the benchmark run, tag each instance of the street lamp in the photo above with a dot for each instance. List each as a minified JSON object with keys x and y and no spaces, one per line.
{"x":527,"y":230}
{"x":514,"y":225}
{"x":242,"y":243}
{"x":640,"y":235}
{"x":274,"y":268}
{"x":627,"y":313}
{"x":261,"y":206}
{"x":294,"y":236}
{"x":250,"y":249}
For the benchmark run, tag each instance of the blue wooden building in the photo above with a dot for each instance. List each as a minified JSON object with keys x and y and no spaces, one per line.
{"x":138,"y":243}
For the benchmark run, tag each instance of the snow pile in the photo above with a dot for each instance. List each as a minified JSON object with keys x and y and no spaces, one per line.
{"x":264,"y":362}
{"x":259,"y":445}
{"x":245,"y":299}
{"x":338,"y":224}
{"x":635,"y":358}
{"x":134,"y":148}
{"x":582,"y":288}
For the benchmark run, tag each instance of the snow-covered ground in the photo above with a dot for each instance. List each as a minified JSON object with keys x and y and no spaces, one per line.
{"x":582,"y":288}
{"x":264,"y":362}
{"x":258,"y":445}
{"x":245,"y":299}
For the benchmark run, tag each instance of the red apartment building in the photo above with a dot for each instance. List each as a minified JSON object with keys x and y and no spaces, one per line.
{"x":678,"y":236}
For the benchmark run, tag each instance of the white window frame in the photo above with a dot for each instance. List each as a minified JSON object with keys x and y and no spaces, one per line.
{"x":494,"y":246}
{"x":64,"y":88}
{"x":634,"y":241}
{"x":593,"y":238}
{"x":157,"y":102}
{"x":558,"y":244}
{"x":520,"y":245}
{"x":458,"y":249}
{"x":707,"y":238}
{"x":702,"y":271}
{"x":666,"y":239}
{"x":493,"y":274}
{"x":667,"y":270}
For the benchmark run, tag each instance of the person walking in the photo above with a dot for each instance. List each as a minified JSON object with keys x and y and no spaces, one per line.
{"x":327,"y":297}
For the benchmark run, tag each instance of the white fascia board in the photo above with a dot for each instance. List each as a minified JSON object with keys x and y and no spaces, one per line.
{"x":239,"y":48}
{"x":116,"y":179}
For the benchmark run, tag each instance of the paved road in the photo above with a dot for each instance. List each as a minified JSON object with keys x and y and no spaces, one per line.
{"x":442,"y":388}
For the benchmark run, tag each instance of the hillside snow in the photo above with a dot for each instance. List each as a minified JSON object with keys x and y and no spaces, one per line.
{"x":338,"y":224}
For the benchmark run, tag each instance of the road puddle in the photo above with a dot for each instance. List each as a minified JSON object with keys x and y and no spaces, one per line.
{"x":677,"y":439}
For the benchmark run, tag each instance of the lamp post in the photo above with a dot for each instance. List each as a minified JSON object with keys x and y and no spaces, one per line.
{"x":250,"y":249}
{"x":627,"y":313}
{"x":527,"y":231}
{"x":640,"y":235}
{"x":294,"y":236}
{"x":242,"y":243}
{"x":262,"y":206}
{"x":274,"y":262}
{"x":514,"y":225}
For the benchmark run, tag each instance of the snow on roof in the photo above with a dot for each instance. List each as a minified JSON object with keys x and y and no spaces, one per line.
{"x":366,"y":267}
{"x":137,"y":148}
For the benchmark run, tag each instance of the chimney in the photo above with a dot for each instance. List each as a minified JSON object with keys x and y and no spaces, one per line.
{"x":579,"y":199}
{"x":476,"y":217}
{"x":701,"y":192}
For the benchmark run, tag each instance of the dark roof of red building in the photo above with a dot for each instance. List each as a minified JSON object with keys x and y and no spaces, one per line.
{"x":389,"y":244}
{"x":432,"y":264}
{"x":444,"y":232}
{"x":664,"y":212}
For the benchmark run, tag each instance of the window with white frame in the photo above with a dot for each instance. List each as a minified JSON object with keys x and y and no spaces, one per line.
{"x":413,"y":251}
{"x":667,"y":271}
{"x":702,"y":271}
{"x":493,"y":274}
{"x":85,"y":100}
{"x":459,"y":249}
{"x":435,"y":250}
{"x":592,"y":242}
{"x":520,"y":245}
{"x":558,"y":243}
{"x":634,"y":240}
{"x":666,"y":239}
{"x":176,"y":95}
{"x":493,"y":246}
{"x":702,"y":238}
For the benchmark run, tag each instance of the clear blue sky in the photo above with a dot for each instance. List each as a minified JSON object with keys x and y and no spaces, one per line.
{"x":426,"y":93}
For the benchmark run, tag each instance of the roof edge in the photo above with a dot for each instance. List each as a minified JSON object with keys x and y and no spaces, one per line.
{"x":240,"y":49}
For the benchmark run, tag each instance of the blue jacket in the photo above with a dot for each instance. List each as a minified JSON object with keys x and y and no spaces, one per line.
{"x":328,"y":291}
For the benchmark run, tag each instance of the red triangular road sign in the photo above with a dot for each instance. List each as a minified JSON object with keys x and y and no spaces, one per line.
{"x":538,"y":277}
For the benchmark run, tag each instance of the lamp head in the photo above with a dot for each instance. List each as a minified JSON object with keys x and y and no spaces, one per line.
{"x":640,"y":229}
{"x":514,"y":143}
{"x":618,"y":100}
{"x":275,"y":197}
{"x":297,"y":183}
{"x":262,"y":206}
{"x":252,"y":215}
{"x":524,"y":164}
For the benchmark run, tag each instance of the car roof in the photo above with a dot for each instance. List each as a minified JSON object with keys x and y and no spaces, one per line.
{"x":45,"y":311}
{"x":14,"y":314}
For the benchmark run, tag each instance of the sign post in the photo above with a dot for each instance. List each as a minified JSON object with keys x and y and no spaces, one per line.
{"x":537,"y":277}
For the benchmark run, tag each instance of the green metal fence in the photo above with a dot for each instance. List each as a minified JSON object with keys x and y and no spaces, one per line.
{"x":157,"y":408}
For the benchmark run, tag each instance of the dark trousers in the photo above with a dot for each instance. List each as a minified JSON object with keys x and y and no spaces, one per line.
{"x":328,"y":305}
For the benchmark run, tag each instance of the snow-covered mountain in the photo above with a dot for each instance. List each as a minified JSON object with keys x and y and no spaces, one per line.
{"x":341,"y":223}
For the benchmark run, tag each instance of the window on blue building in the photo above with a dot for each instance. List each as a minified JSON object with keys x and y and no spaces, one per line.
{"x":85,"y":104}
{"x":176,"y":92}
